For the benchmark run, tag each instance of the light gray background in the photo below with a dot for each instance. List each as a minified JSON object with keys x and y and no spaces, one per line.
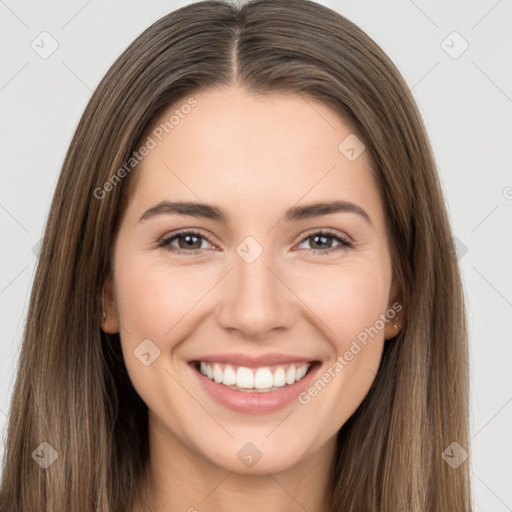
{"x":466,"y":103}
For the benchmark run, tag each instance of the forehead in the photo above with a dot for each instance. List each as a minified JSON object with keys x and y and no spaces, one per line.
{"x":246,"y":150}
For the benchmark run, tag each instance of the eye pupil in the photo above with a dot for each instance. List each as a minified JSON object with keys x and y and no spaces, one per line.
{"x":315,"y":237}
{"x":188,"y":242}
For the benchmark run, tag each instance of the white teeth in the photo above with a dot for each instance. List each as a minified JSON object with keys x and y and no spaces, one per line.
{"x":229,"y":378}
{"x":217,"y":373}
{"x":280,"y":377}
{"x":290,"y":375}
{"x":244,"y":378}
{"x":261,"y":379}
{"x":300,"y":373}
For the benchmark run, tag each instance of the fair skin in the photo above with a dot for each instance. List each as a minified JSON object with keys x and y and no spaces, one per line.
{"x":255,"y":157}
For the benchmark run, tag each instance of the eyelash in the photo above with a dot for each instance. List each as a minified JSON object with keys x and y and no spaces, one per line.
{"x":344,"y":245}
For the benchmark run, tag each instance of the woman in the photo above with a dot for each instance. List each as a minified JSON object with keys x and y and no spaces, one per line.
{"x":185,"y":349}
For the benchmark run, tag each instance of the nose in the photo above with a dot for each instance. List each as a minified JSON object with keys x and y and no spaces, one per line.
{"x":256,"y":298}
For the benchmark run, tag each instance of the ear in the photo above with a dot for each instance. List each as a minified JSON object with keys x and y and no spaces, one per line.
{"x":110,"y":320}
{"x":395,"y":311}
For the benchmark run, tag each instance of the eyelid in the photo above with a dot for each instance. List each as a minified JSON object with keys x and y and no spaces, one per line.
{"x":328,"y":231}
{"x":185,"y":231}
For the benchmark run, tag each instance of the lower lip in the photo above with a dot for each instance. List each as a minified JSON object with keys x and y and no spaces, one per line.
{"x":256,"y":403}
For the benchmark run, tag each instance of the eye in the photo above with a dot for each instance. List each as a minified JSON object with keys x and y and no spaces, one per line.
{"x":191,"y":245}
{"x":190,"y":242}
{"x":321,"y":237}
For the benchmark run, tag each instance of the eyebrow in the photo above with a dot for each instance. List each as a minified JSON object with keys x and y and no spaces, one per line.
{"x":212,"y":212}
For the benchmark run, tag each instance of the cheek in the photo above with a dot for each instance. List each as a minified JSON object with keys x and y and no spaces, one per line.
{"x":349,"y":305}
{"x":153,"y":297}
{"x":347,"y":300}
{"x":362,"y":299}
{"x":153,"y":301}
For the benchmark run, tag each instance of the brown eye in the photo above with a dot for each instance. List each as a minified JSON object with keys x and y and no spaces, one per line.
{"x":320,"y":241}
{"x":187,"y":241}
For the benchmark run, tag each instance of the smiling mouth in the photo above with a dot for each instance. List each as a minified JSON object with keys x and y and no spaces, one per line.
{"x":263,"y":379}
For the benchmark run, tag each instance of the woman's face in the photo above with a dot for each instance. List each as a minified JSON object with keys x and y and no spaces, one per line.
{"x":265,"y":283}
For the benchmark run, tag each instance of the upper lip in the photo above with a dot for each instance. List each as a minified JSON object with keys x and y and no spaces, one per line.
{"x":252,"y":361}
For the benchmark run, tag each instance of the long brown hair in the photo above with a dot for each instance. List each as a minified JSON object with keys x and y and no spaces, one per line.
{"x":72,"y":389}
